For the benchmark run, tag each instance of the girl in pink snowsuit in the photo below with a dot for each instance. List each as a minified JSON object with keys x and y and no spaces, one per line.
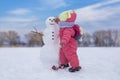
{"x":68,"y":50}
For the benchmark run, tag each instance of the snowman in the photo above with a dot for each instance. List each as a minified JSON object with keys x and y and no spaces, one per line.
{"x":50,"y":51}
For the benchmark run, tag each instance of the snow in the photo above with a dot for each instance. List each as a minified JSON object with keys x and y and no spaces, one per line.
{"x":25,"y":64}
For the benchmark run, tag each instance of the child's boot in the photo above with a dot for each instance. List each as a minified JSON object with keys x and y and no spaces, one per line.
{"x":74,"y":69}
{"x":62,"y":66}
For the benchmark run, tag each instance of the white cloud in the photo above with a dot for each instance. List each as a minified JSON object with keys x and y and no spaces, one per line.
{"x":19,"y":11}
{"x":95,"y":13}
{"x":21,"y":21}
{"x":21,"y":25}
{"x":53,"y":4}
{"x":105,"y":15}
{"x":17,"y":19}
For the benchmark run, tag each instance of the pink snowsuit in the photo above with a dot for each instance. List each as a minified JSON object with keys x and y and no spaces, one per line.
{"x":68,"y":52}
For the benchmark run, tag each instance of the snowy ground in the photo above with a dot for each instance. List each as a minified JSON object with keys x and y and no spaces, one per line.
{"x":25,"y":64}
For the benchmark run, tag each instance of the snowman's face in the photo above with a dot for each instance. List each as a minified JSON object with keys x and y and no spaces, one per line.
{"x":50,"y":21}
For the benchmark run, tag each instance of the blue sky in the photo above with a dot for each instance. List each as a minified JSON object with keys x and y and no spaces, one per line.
{"x":23,"y":15}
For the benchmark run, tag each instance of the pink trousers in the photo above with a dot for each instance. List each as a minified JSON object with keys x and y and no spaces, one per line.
{"x":68,"y":55}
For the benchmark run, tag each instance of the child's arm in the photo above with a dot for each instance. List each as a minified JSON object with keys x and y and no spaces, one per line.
{"x":68,"y":32}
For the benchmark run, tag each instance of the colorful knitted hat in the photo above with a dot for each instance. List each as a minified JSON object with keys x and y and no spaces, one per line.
{"x":68,"y":16}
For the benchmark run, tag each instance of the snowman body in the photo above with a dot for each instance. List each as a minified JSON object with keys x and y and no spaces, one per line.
{"x":50,"y":50}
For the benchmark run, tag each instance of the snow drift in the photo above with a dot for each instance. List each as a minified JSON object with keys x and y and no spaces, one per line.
{"x":25,"y":64}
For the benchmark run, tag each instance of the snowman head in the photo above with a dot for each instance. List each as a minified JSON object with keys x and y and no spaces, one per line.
{"x":51,"y":21}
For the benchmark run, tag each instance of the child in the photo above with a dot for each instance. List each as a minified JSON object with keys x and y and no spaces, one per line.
{"x":68,"y":43}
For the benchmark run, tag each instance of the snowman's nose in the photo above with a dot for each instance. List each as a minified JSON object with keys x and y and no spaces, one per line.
{"x":52,"y":20}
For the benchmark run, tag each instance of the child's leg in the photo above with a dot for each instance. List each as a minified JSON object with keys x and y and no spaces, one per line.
{"x":71,"y":55}
{"x":62,"y":57}
{"x":73,"y":59}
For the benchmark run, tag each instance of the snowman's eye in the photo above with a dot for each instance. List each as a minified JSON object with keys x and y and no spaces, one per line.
{"x":49,"y":19}
{"x":54,"y":19}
